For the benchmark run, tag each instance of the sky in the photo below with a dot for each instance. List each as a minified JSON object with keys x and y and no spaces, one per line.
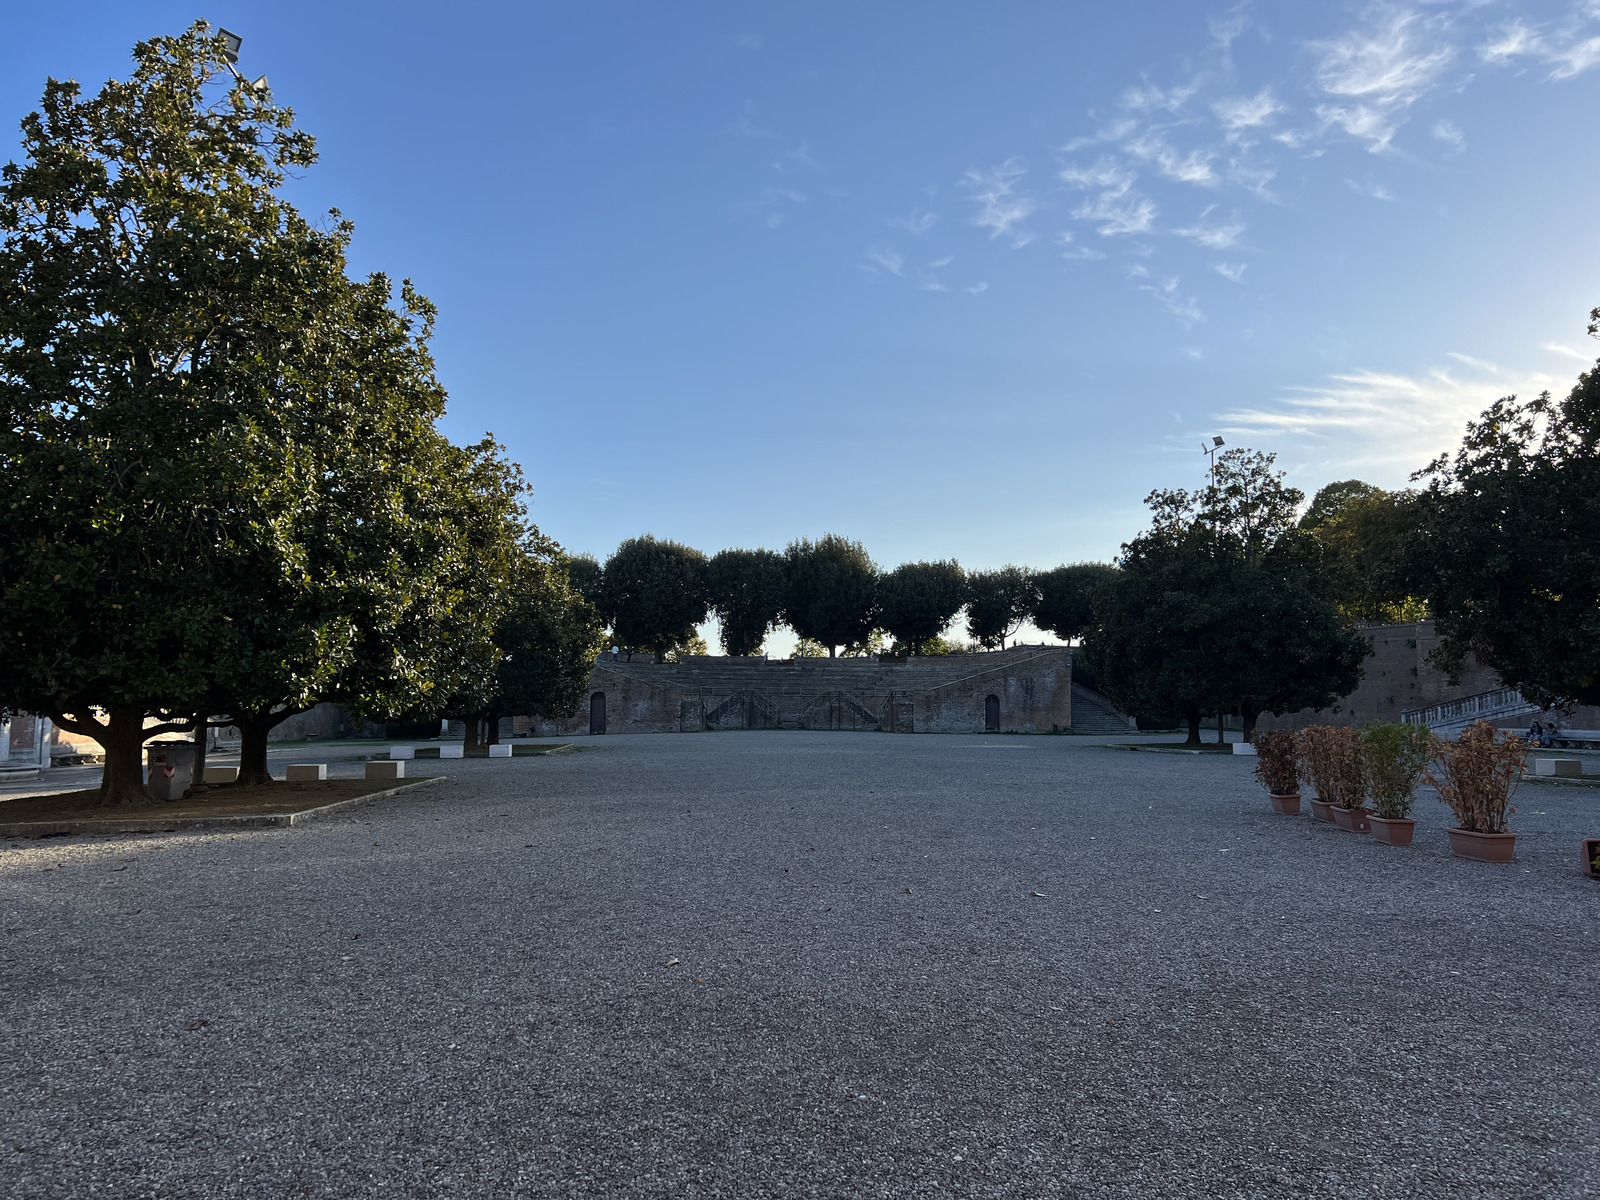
{"x":957,"y":280}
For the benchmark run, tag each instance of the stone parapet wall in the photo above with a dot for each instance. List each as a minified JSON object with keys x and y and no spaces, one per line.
{"x":1032,"y":687}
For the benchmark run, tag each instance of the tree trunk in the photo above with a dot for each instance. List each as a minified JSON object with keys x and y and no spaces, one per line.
{"x":201,"y":731}
{"x":832,"y":652}
{"x":491,"y":729}
{"x":122,"y":738}
{"x":254,"y":729}
{"x":472,"y":743}
{"x":1249,"y":716}
{"x":1194,"y":729}
{"x":1221,"y":733}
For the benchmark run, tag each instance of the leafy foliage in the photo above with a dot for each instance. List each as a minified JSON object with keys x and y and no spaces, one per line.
{"x":1065,"y":603}
{"x":917,"y":600}
{"x":217,"y":453}
{"x":747,"y":589}
{"x":655,"y":593}
{"x":1477,"y":774}
{"x":831,"y":591}
{"x":998,"y":602}
{"x":1330,"y":758}
{"x":1278,"y":762}
{"x":1221,"y":607}
{"x":1367,"y":536}
{"x":1509,"y":548}
{"x":1394,"y":756}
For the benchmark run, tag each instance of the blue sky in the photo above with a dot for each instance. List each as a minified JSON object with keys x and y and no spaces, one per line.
{"x":955,"y":279}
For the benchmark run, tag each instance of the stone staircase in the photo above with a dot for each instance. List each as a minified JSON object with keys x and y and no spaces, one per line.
{"x":1092,"y":713}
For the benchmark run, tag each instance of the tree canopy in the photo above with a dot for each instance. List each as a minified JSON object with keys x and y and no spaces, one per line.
{"x":746,"y":588}
{"x":916,"y":601}
{"x":655,"y":593}
{"x":1065,"y":600}
{"x":998,"y":602}
{"x":1509,"y":544}
{"x":830,"y":591}
{"x":224,"y":488}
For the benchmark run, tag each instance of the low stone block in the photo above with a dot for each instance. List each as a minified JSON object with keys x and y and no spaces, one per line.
{"x":222,"y":775}
{"x":451,"y":751}
{"x":386,"y":770}
{"x":1244,"y":748}
{"x":1565,"y":768}
{"x":306,"y":772}
{"x":500,"y":750}
{"x":402,"y":752}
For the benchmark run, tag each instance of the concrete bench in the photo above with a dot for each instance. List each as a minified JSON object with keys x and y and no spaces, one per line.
{"x":399,"y":753}
{"x":306,"y":772}
{"x":222,"y":775}
{"x":386,"y":770}
{"x":452,"y":751}
{"x":1564,"y":768}
{"x":500,"y":750}
{"x":1576,"y":739}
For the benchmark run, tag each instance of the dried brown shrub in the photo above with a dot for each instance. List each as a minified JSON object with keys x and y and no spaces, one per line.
{"x":1330,"y":756}
{"x":1476,"y":775}
{"x":1278,"y":762}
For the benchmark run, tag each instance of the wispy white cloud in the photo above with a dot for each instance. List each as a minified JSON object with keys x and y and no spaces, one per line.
{"x":1381,"y":419}
{"x":917,"y":222}
{"x":1003,"y":209}
{"x":1239,"y":113}
{"x":1511,"y":41}
{"x":1558,"y":348}
{"x":977,"y":289}
{"x":1450,"y":134}
{"x":1574,"y":59}
{"x":1213,"y":235}
{"x":1116,"y":208}
{"x":1233,"y":272}
{"x":1374,"y":75}
{"x":886,"y":259}
{"x":1165,"y":289}
{"x":1369,"y":189}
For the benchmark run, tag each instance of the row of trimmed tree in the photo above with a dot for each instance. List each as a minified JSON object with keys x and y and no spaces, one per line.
{"x":224,"y":495}
{"x":653,"y":594}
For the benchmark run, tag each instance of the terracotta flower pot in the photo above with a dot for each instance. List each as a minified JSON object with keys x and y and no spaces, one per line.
{"x":1288,"y":805}
{"x":1321,"y":810}
{"x":1395,"y":831}
{"x":1591,"y":848}
{"x":1351,"y":820}
{"x":1485,"y":847}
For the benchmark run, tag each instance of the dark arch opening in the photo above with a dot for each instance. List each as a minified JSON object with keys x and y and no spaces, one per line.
{"x":597,"y":713}
{"x":991,"y":714}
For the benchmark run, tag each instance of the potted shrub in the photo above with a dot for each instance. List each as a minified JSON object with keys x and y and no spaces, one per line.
{"x":1394,"y":757}
{"x":1591,"y":857}
{"x":1332,"y":761}
{"x":1278,"y":769}
{"x":1476,"y":775}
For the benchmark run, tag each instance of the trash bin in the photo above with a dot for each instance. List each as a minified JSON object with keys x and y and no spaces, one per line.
{"x":171,"y":769}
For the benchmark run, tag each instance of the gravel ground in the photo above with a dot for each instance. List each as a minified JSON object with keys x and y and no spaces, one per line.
{"x":985,"y":966}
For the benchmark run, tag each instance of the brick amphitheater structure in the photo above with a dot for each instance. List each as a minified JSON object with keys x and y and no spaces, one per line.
{"x":1027,"y":689}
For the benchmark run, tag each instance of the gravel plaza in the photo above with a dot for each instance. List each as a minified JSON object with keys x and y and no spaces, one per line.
{"x":801,"y":964}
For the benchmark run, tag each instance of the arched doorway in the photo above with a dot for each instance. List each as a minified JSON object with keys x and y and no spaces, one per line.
{"x":597,"y":713}
{"x":991,"y":714}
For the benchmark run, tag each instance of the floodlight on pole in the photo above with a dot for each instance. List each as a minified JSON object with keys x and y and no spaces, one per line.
{"x":230,"y":45}
{"x":1211,"y":455}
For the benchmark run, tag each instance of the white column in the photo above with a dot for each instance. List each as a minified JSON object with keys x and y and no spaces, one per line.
{"x":47,"y":731}
{"x":5,"y":739}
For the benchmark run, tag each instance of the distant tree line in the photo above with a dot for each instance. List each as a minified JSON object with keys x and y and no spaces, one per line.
{"x":653,"y":594}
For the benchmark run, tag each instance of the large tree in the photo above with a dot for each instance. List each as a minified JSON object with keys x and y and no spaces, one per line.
{"x":1509,"y":544}
{"x":545,"y":645}
{"x":217,"y":455}
{"x":1367,"y":535}
{"x":747,"y":592}
{"x":831,"y":591}
{"x":998,"y":602}
{"x":655,"y":594}
{"x":916,"y":601}
{"x":1222,"y":606}
{"x":1066,"y":595}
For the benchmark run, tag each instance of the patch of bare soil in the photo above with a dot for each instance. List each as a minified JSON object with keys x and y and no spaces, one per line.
{"x":221,"y":800}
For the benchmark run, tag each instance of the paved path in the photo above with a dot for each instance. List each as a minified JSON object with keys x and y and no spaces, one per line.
{"x":464,"y":993}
